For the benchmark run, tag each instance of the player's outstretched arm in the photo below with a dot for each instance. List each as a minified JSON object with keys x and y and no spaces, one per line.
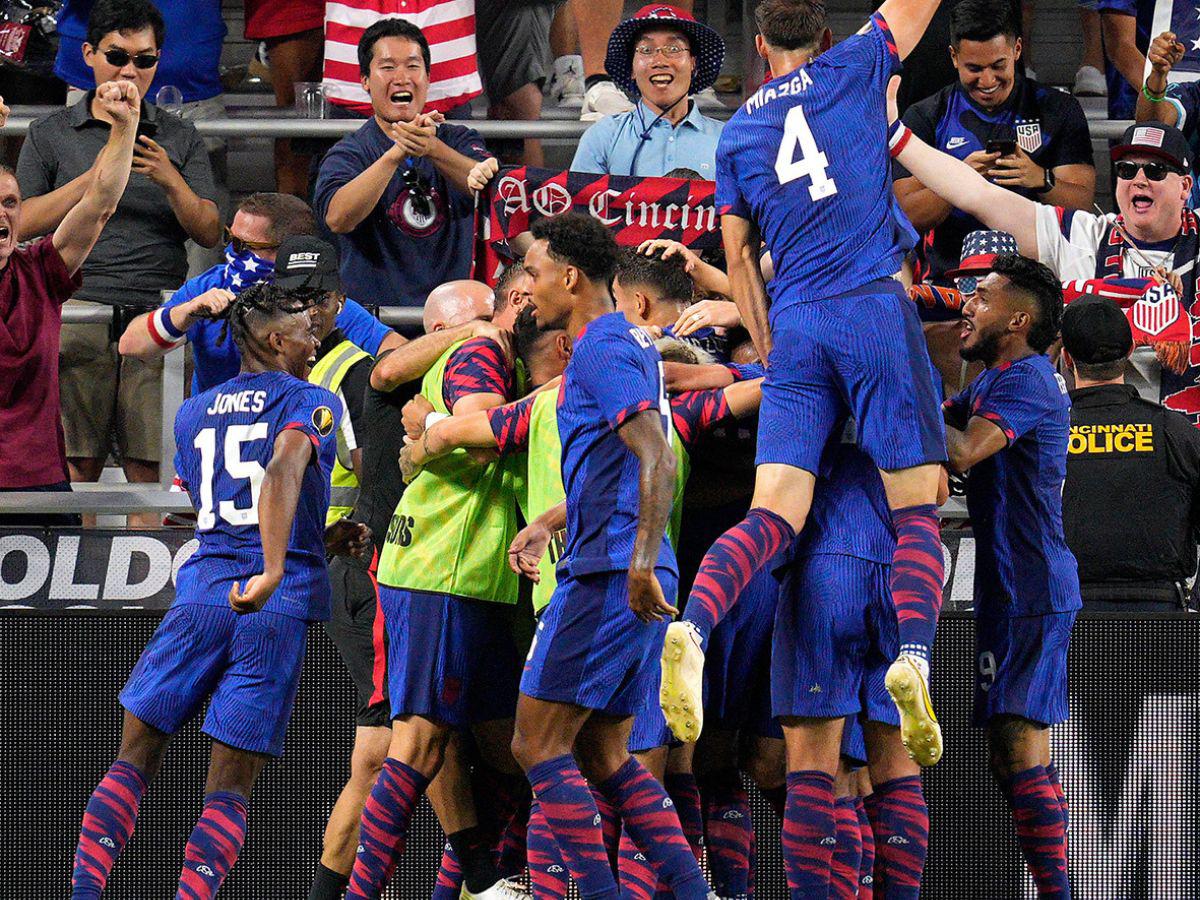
{"x":643,"y":434}
{"x":413,"y":359}
{"x":981,"y":438}
{"x":276,"y":510}
{"x":962,"y":187}
{"x":908,"y":20}
{"x":746,"y":280}
{"x":81,"y":227}
{"x":445,"y":436}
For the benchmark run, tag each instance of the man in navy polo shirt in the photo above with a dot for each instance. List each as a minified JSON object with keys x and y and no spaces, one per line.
{"x":1020,"y":135}
{"x":394,"y":193}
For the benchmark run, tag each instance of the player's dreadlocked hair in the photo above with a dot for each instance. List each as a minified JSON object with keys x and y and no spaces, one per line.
{"x":1037,"y":282}
{"x":258,"y":304}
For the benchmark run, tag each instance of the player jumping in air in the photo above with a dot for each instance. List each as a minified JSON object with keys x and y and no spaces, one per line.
{"x":255,"y":455}
{"x":804,"y":163}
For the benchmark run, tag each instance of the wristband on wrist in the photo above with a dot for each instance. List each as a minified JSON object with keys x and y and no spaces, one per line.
{"x":433,"y":418}
{"x":1151,"y":96}
{"x":898,"y":137}
{"x":162,"y":330}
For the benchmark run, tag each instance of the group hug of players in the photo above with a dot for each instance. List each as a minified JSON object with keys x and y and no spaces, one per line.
{"x":547,"y":455}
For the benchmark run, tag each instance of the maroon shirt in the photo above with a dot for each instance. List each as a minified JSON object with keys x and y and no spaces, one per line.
{"x":33,"y":287}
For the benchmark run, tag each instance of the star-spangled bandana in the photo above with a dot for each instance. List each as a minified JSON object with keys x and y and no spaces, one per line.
{"x":244,"y":269}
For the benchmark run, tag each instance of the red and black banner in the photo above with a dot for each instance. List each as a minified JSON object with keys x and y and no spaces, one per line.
{"x":636,"y":209}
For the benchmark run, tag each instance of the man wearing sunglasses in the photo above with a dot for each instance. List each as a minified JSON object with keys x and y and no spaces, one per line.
{"x":1153,"y":233}
{"x":170,"y":198}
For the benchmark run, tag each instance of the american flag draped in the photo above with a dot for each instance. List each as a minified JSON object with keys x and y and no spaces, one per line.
{"x":637,"y":209}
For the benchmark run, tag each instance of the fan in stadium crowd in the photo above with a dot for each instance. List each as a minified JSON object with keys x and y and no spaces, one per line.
{"x":454,"y":313}
{"x":395,"y":192}
{"x":463,"y":673}
{"x":1020,"y":135}
{"x":35,"y":281}
{"x":1171,"y":102}
{"x":661,"y":57}
{"x":1153,"y":233}
{"x":1130,"y":506}
{"x":1010,"y":429}
{"x":258,"y":449}
{"x":263,"y":223}
{"x":170,"y":197}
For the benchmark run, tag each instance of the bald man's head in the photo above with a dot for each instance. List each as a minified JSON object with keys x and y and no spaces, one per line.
{"x":456,"y":303}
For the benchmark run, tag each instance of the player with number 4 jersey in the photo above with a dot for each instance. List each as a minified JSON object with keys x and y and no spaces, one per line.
{"x":803,"y":167}
{"x":255,"y":454}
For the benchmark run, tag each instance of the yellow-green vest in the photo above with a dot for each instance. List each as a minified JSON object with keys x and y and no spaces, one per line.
{"x":453,"y":525}
{"x":329,"y":372}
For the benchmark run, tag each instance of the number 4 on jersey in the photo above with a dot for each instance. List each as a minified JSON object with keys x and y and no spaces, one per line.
{"x":812,"y":162}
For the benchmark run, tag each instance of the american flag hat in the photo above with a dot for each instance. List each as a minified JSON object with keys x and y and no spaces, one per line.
{"x":979,"y":252}
{"x":707,"y":46}
{"x":1154,"y":139}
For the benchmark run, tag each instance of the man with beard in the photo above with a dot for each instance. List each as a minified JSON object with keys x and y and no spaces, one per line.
{"x":395,"y":192}
{"x":1010,"y":428}
{"x":1152,"y":234}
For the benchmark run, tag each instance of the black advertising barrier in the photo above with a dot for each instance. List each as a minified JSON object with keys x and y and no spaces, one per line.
{"x":1129,"y":756}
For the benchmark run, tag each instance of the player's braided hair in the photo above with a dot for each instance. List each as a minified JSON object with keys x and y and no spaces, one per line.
{"x":261,"y":302}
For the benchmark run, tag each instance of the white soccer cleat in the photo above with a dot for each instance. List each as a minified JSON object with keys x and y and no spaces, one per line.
{"x":681,"y":692}
{"x":602,"y":99}
{"x":907,"y":681}
{"x":565,"y":85}
{"x":504,"y":889}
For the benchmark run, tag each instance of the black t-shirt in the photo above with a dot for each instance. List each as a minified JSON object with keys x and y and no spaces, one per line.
{"x":1131,"y":501}
{"x":381,"y":440}
{"x":1047,"y":123}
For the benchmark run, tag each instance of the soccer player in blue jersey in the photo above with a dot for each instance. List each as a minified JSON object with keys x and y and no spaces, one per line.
{"x":589,"y":664}
{"x":1010,"y":429}
{"x":255,"y":454}
{"x":804,"y":164}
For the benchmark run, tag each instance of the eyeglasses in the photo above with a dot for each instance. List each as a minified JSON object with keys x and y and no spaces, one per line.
{"x":121,"y":58}
{"x":671,"y":51}
{"x":1155,"y":171}
{"x":241,"y":245}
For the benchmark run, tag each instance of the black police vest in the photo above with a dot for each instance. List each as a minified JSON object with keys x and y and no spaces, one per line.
{"x":1126,"y":516}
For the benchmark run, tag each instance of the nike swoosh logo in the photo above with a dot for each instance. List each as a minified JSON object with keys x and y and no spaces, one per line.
{"x":955,"y":142}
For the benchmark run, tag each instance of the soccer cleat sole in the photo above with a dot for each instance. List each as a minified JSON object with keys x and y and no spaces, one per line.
{"x":919,"y":728}
{"x":681,"y":690}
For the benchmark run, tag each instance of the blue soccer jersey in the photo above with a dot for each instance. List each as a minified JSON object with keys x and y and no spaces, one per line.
{"x":807,"y":159}
{"x":1022,"y":563}
{"x":225,"y":438}
{"x":615,"y":372}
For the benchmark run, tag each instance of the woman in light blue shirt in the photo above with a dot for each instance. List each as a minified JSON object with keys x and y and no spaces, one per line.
{"x":660,"y":57}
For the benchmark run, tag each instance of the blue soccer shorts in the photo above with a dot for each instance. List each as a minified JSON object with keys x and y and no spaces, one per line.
{"x":854,"y":743}
{"x":591,"y":650}
{"x":737,"y":665}
{"x":861,"y":354}
{"x":449,"y":659}
{"x":835,"y":636}
{"x":1021,"y":667}
{"x":249,"y":665}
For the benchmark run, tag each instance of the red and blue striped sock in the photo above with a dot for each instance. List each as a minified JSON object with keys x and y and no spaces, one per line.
{"x":901,"y":826}
{"x":1041,"y":831}
{"x":547,"y":872}
{"x":730,"y":564}
{"x":213,"y":847}
{"x":448,"y":885}
{"x":383,"y":826}
{"x":809,"y":834}
{"x":685,"y":794}
{"x":866,"y":868}
{"x":917,"y":571}
{"x":567,"y":806}
{"x":730,"y":832}
{"x":649,"y":816}
{"x":107,"y":823}
{"x":512,"y":849}
{"x":610,"y":826}
{"x":1056,"y":783}
{"x":637,"y":877}
{"x":847,"y":856}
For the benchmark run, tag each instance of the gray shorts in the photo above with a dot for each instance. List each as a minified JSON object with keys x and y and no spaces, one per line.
{"x":513,"y":43}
